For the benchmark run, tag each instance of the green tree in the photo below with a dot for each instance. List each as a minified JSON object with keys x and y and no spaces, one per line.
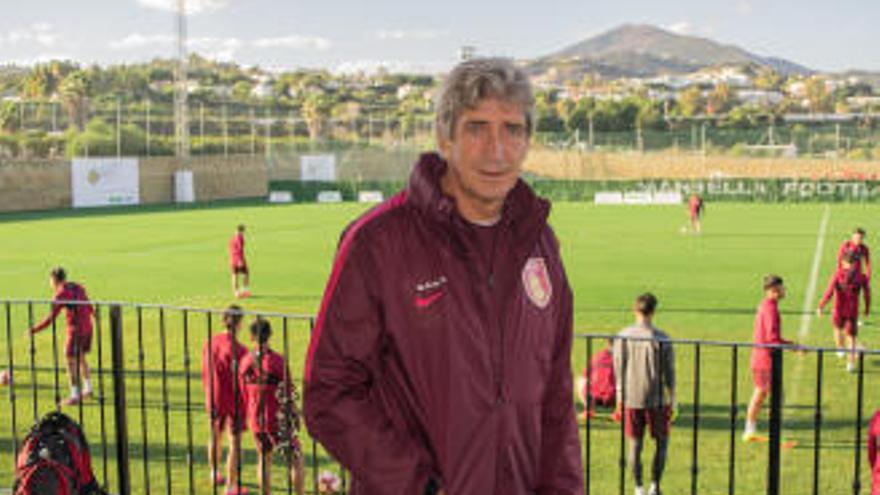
{"x":691,"y":102}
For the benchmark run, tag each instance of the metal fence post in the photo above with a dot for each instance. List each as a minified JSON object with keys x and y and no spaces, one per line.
{"x":773,"y":466}
{"x":122,"y":457}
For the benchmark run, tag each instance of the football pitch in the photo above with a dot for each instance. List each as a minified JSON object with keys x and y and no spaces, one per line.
{"x":708,"y":287}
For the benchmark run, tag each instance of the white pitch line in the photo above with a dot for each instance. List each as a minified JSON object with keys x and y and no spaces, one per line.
{"x":807,"y":316}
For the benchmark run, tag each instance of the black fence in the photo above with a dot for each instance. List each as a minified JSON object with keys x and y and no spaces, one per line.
{"x":148,"y":426}
{"x":810,"y":447}
{"x":147,"y":422}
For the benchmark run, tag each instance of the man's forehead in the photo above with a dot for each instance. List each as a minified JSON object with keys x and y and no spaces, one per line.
{"x":494,"y":109}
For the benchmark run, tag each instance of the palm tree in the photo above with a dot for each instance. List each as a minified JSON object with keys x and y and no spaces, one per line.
{"x":74,"y":95}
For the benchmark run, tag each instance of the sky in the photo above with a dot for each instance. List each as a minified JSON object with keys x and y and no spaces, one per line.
{"x":423,"y":36}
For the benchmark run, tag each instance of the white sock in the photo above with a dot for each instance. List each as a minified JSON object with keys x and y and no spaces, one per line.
{"x":750,"y":426}
{"x":87,"y":386}
{"x":74,"y":391}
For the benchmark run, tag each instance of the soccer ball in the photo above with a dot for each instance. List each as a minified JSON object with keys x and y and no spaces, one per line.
{"x":5,"y":377}
{"x":329,"y":483}
{"x":683,"y":229}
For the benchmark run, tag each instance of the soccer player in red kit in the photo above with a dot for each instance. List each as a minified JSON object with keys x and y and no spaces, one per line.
{"x":857,"y":247}
{"x":272,"y":412}
{"x":695,"y":211}
{"x":873,"y":448}
{"x":768,"y":330}
{"x":238,"y":264}
{"x":602,"y":383}
{"x":72,"y":297}
{"x":223,"y":399}
{"x":846,"y":285}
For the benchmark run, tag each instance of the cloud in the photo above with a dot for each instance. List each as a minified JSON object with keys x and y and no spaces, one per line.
{"x":409,"y":34}
{"x":192,"y":6}
{"x":138,"y":40}
{"x":393,"y":66}
{"x":223,"y":49}
{"x":682,"y":27}
{"x":294,"y":42}
{"x":41,"y":33}
{"x":744,"y":7}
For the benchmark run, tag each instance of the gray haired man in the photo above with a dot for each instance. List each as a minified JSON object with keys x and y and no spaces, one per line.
{"x":441,"y":357}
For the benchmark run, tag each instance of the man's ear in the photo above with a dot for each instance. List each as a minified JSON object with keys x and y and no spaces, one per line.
{"x":444,"y":146}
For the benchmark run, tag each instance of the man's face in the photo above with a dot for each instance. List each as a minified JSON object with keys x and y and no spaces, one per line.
{"x":780,"y":291}
{"x":487,"y":149}
{"x":857,"y":238}
{"x":53,"y":284}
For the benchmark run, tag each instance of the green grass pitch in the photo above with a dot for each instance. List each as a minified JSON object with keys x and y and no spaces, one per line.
{"x":707,"y":285}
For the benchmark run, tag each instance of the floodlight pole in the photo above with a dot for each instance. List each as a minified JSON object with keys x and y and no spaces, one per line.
{"x":181,"y":122}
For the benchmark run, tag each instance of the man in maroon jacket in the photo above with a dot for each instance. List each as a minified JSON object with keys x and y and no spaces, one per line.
{"x":440,"y":360}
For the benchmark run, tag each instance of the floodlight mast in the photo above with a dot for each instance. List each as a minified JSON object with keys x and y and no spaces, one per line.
{"x":181,"y":120}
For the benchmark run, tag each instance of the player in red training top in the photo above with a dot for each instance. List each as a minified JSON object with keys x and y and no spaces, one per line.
{"x":224,"y":402}
{"x":602,"y":384}
{"x":696,"y":207}
{"x":272,"y":412}
{"x":857,"y":247}
{"x":873,"y":448}
{"x":768,"y":330}
{"x":238,"y":264}
{"x":72,"y":297}
{"x":846,"y":285}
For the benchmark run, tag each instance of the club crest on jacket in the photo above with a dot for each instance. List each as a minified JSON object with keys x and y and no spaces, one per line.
{"x":536,"y":282}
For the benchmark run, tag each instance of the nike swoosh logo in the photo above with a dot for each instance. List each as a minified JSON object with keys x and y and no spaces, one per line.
{"x":424,"y":302}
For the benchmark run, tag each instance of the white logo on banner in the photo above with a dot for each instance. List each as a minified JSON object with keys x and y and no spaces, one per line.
{"x":317,"y":168}
{"x":104,"y":182}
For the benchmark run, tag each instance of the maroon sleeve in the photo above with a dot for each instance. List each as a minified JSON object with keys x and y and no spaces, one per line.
{"x":773,"y":327}
{"x":340,"y":409}
{"x":867,"y":261}
{"x":872,"y":439}
{"x":828,"y":292}
{"x":56,"y":308}
{"x":840,"y":252}
{"x":867,"y":294}
{"x":560,"y":469}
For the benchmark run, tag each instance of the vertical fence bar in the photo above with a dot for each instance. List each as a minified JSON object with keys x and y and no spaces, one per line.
{"x":696,"y":425}
{"x":287,"y":383}
{"x":122,"y":455}
{"x":621,"y":482}
{"x":11,"y":371}
{"x":314,"y":443}
{"x":165,"y":406}
{"x":33,"y":353}
{"x":237,"y":418}
{"x":817,"y":420}
{"x":731,"y":463}
{"x":101,"y":397}
{"x":588,"y":402}
{"x":189,"y":426}
{"x":55,"y":369}
{"x":209,"y":356}
{"x":146,"y":442}
{"x":773,"y":466}
{"x":857,"y":482}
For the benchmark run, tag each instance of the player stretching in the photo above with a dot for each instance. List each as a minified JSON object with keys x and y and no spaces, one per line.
{"x":845,"y":286}
{"x":768,"y":330}
{"x":72,"y":297}
{"x":238,"y":263}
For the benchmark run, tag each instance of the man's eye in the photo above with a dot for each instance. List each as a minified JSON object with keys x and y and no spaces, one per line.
{"x":516,"y":130}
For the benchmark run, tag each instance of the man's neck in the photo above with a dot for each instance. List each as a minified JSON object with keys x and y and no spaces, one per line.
{"x":473,"y":210}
